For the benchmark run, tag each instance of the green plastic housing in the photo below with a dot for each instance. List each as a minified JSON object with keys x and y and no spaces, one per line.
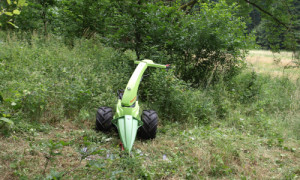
{"x":128,"y":114}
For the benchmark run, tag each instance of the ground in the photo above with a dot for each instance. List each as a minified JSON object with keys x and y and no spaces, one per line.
{"x":74,"y":150}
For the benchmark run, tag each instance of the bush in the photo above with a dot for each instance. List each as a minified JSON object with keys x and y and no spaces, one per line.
{"x":204,"y":46}
{"x":262,"y":92}
{"x":45,"y":79}
{"x":247,"y":93}
{"x":175,"y":100}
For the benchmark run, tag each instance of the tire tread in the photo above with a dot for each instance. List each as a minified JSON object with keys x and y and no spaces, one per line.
{"x":149,"y":128}
{"x":104,"y":116}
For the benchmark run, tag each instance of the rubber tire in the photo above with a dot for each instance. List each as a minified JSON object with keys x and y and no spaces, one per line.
{"x":104,"y":116}
{"x":149,"y":128}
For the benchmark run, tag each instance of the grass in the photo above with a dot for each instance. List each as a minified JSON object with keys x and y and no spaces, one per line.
{"x":193,"y":152}
{"x":275,"y":64}
{"x":251,"y":128}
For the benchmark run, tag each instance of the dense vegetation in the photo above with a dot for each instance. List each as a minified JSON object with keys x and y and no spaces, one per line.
{"x":218,"y":118}
{"x":44,"y":83}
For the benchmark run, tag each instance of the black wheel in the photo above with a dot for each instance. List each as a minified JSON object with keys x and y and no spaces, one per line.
{"x":103,"y":119}
{"x":150,"y":120}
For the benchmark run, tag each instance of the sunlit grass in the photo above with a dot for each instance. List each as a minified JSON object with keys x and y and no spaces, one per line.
{"x":274,"y":64}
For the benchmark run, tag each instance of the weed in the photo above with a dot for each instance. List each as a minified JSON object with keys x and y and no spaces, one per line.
{"x":54,"y":175}
{"x":54,"y":149}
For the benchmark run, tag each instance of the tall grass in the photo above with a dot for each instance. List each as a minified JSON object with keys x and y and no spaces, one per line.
{"x":45,"y":80}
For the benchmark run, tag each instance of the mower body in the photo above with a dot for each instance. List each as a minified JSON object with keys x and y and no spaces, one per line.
{"x":127,"y":118}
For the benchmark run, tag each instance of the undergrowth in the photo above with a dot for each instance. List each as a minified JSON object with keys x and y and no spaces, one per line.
{"x":217,"y":131}
{"x":44,"y":80}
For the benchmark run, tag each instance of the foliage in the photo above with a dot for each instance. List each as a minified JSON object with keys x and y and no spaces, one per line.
{"x":54,"y":149}
{"x":203,"y":46}
{"x":3,"y":119}
{"x":47,"y":80}
{"x":217,"y":120}
{"x":206,"y":43}
{"x":62,"y":83}
{"x":177,"y":101}
{"x":133,"y":23}
{"x":242,"y":127}
{"x":5,"y":122}
{"x":10,"y":8}
{"x":37,"y":16}
{"x":81,"y":18}
{"x":279,"y":20}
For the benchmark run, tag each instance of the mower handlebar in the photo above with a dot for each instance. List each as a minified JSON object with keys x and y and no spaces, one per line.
{"x":150,"y":63}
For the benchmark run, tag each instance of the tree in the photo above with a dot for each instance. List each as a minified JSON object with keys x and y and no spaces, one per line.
{"x":45,"y":4}
{"x":81,"y":18}
{"x":9,"y":9}
{"x":205,"y":44}
{"x":277,"y":22}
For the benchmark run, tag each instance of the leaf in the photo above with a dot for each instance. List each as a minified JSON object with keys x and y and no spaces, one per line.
{"x":8,"y":13}
{"x":6,"y":115}
{"x":21,"y":3}
{"x":64,"y":143}
{"x":13,"y":24}
{"x":16,"y":11}
{"x":8,"y":2}
{"x":7,"y":120}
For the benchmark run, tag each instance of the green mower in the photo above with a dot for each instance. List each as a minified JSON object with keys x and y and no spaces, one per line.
{"x":129,"y":119}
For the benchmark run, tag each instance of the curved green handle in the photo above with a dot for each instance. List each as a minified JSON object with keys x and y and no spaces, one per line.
{"x":150,"y":63}
{"x":130,"y":94}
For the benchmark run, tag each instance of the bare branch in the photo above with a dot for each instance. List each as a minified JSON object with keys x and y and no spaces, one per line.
{"x":189,"y":4}
{"x":267,"y":13}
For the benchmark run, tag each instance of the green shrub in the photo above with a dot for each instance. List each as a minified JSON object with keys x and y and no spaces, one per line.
{"x":262,"y":91}
{"x":175,"y":100}
{"x":248,"y":93}
{"x":45,"y":79}
{"x":205,"y":46}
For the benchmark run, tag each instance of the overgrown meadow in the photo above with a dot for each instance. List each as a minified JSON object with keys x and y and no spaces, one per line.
{"x":245,"y":127}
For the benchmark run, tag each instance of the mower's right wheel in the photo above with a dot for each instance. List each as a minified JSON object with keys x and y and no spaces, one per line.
{"x":103,"y":119}
{"x":149,"y":128}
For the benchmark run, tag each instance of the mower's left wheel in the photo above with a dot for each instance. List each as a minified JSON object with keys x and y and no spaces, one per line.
{"x":103,"y":119}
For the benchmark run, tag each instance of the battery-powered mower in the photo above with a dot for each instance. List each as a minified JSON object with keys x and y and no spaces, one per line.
{"x":129,"y":119}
